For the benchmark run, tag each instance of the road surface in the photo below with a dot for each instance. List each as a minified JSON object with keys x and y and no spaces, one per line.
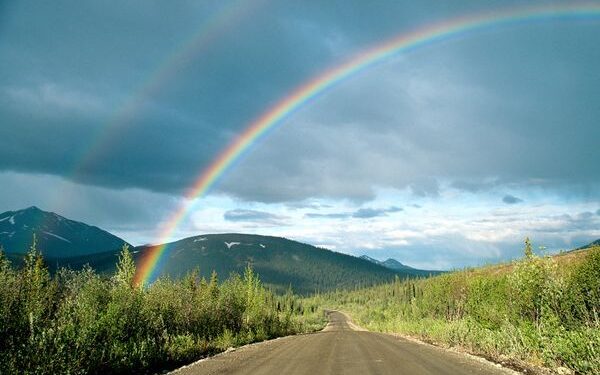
{"x":341,"y":348}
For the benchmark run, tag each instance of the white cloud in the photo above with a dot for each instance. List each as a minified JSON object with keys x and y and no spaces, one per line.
{"x":455,"y":229}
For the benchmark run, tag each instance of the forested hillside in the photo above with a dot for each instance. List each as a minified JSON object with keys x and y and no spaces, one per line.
{"x":280,"y":263}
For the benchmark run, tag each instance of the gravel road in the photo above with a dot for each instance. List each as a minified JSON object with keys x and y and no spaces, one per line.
{"x":341,"y":348}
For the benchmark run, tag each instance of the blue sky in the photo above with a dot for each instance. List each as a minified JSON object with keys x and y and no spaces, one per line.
{"x":443,"y":157}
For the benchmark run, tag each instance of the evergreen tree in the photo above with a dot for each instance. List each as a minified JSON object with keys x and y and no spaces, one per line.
{"x":213,"y":285}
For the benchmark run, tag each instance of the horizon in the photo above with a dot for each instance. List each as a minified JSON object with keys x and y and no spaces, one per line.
{"x":442,"y":157}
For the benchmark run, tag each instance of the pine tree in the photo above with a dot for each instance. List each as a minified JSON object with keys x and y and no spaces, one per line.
{"x":213,"y":285}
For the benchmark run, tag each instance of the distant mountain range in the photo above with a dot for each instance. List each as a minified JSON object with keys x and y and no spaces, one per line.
{"x":57,"y":237}
{"x":388,"y":263}
{"x":393,"y":264}
{"x":279,"y":262}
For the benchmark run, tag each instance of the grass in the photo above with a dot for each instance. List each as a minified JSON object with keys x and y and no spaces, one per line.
{"x":541,"y":311}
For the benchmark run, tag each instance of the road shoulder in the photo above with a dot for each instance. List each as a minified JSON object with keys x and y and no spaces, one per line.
{"x":512,"y":366}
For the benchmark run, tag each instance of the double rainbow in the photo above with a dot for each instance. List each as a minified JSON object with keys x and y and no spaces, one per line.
{"x":150,"y":265}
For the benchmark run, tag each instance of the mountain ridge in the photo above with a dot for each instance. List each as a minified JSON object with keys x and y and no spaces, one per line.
{"x":390,"y":263}
{"x":280,"y":262}
{"x":56,"y":235}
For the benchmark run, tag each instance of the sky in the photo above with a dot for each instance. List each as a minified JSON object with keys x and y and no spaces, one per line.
{"x":442,"y":157}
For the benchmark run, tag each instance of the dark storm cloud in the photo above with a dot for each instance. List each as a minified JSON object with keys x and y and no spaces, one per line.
{"x":113,"y":56}
{"x":241,"y":215}
{"x":511,"y":199}
{"x":489,"y":107}
{"x":133,"y":214}
{"x":429,"y":118}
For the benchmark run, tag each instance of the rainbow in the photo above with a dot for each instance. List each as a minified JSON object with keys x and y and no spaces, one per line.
{"x":219,"y":22}
{"x":150,"y":265}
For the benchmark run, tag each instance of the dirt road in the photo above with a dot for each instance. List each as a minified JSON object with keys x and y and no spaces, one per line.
{"x":341,"y":348}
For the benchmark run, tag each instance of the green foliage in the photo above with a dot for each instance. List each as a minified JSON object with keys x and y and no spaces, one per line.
{"x":528,"y":249}
{"x":79,"y":322}
{"x":584,"y":286}
{"x":531,"y":310}
{"x":125,"y":268}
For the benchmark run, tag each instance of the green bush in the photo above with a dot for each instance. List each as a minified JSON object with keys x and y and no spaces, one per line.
{"x":530,"y":310}
{"x":78,"y":322}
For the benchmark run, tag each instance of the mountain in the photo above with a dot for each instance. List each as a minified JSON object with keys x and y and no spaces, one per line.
{"x":393,"y":264}
{"x":57,"y":237}
{"x":389,"y":263}
{"x":278,"y":261}
{"x":368,"y":258}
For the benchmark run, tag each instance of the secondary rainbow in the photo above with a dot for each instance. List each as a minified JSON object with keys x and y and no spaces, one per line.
{"x":150,"y":265}
{"x":221,"y":21}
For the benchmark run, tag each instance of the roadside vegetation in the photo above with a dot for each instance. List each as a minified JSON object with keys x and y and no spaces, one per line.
{"x":539,"y":310}
{"x":79,"y":322}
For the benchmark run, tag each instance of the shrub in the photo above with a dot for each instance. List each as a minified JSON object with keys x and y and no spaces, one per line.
{"x":78,"y":322}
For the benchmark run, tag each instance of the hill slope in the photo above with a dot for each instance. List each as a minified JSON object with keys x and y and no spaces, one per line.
{"x":278,"y":261}
{"x":57,"y":237}
{"x":594,"y":243}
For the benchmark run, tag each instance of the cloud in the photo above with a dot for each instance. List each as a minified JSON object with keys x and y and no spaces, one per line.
{"x":361,"y":213}
{"x":242,"y":215}
{"x":307,"y":204}
{"x":511,"y":199}
{"x":367,"y":213}
{"x":335,"y":215}
{"x":408,"y":132}
{"x":475,"y":186}
{"x":133,"y":214}
{"x":468,"y":117}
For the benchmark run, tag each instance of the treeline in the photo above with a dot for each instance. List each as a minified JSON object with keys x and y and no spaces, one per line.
{"x":538,"y":310}
{"x":78,"y":322}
